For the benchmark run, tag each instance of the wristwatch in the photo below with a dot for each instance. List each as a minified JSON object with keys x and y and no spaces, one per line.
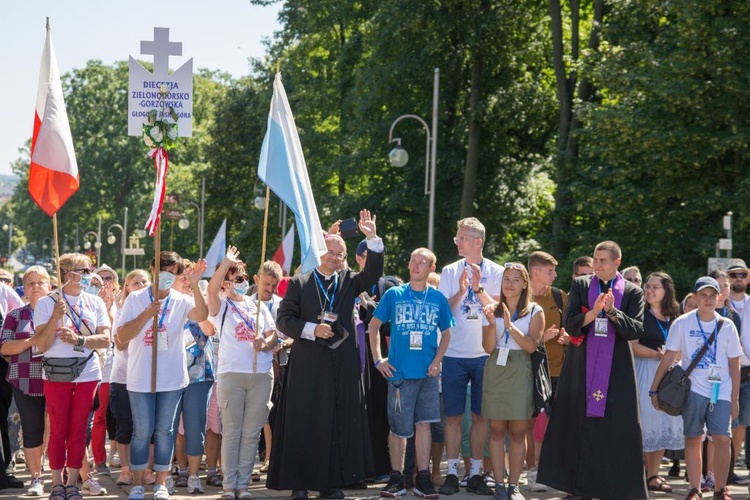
{"x":612,"y":313}
{"x":480,"y":289}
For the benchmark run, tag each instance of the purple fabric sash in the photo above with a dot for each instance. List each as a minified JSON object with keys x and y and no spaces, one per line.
{"x":361,"y":339}
{"x":599,"y":351}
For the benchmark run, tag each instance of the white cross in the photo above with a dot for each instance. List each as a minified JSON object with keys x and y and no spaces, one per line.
{"x":161,"y":48}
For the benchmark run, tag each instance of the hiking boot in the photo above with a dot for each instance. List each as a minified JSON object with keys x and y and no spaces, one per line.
{"x":477,"y":486}
{"x":450,"y":486}
{"x":395,"y":487}
{"x":423,"y":486}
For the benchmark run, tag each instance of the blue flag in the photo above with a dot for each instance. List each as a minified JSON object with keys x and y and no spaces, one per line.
{"x":282,"y":168}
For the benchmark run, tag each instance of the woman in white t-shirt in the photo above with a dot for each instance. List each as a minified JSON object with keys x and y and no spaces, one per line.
{"x":69,"y":327}
{"x":507,"y":388}
{"x":155,"y":411}
{"x":245,"y":373}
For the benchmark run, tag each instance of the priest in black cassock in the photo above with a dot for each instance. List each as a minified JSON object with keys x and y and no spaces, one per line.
{"x":593,"y":445}
{"x":321,"y":436}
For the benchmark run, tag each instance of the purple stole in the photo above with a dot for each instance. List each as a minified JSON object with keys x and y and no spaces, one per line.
{"x":599,"y":351}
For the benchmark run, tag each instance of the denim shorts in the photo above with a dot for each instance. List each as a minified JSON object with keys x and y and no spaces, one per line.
{"x":697,"y":416}
{"x":419,"y":402}
{"x":744,"y":418}
{"x":457,"y":373}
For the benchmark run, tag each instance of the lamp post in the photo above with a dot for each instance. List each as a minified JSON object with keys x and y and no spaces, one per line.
{"x":184,"y":223}
{"x":399,"y":157}
{"x":123,"y":232}
{"x":9,"y":227}
{"x":97,"y":241}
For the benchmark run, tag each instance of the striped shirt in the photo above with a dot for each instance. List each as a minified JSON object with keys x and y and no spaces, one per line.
{"x":24,"y":370}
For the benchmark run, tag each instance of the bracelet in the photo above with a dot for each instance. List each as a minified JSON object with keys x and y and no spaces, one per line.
{"x":653,"y":393}
{"x":81,"y":341}
{"x":378,"y":362}
{"x":612,"y":313}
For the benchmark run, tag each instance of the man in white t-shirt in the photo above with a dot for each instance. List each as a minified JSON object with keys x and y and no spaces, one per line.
{"x":715,"y":383}
{"x":469,"y":284}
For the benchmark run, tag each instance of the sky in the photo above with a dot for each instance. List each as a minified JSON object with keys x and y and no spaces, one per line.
{"x":218,"y":35}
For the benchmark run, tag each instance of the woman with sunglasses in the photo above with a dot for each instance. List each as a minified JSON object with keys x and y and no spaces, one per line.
{"x":71,"y":324}
{"x":507,"y":391}
{"x":155,"y":411}
{"x":245,"y":373}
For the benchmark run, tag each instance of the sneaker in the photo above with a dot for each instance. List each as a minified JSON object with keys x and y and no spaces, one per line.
{"x":169,"y":485}
{"x":738,"y":480}
{"x":531,"y":482}
{"x":514,"y":493}
{"x":161,"y":493}
{"x":722,"y":494}
{"x":213,"y":479}
{"x":708,"y":483}
{"x":37,"y":487}
{"x":72,"y":493}
{"x":477,"y":486}
{"x":450,"y":486}
{"x":92,"y":488}
{"x":102,"y":469}
{"x":488,"y":479}
{"x":395,"y":487}
{"x":694,"y":494}
{"x":194,"y":485}
{"x":114,"y":461}
{"x":423,"y":486}
{"x":182,"y":478}
{"x":500,"y":492}
{"x":464,"y":480}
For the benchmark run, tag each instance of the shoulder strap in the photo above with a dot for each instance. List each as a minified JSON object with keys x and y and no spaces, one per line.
{"x":223,"y":317}
{"x":557,"y":295}
{"x":703,"y":350}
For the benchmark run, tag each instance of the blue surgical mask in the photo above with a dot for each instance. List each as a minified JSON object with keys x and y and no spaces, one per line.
{"x":93,"y":289}
{"x":85,"y":280}
{"x":241,"y":288}
{"x":166,"y":279}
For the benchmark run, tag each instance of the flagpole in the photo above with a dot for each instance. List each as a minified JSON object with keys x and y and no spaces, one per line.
{"x":57,"y":252}
{"x":155,"y":327}
{"x":262,"y":260}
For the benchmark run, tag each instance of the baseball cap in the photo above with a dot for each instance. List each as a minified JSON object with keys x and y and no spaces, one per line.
{"x":706,"y":282}
{"x":362,"y":247}
{"x":736,"y":264}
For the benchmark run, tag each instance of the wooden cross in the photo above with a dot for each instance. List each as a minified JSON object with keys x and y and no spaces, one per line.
{"x":598,"y":395}
{"x":161,"y":48}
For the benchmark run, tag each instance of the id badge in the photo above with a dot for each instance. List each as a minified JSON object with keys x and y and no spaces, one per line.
{"x":329,"y":317}
{"x":502,"y":356}
{"x":78,"y":348}
{"x":162,"y":346}
{"x":473,"y":310}
{"x":600,"y":327}
{"x":415,"y":341}
{"x":714,"y":373}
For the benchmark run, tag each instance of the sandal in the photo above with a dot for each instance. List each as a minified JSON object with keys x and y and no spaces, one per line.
{"x":227,"y":495}
{"x":57,"y":493}
{"x":264,"y":467}
{"x":125,"y":479}
{"x":214,"y":479}
{"x":660,"y":486}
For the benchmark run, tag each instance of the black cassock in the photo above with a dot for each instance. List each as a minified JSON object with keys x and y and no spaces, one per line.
{"x":597,"y":457}
{"x":321,"y":437}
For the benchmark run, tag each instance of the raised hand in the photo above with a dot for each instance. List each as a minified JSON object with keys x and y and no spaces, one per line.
{"x":463,"y":281}
{"x":233,"y":255}
{"x":195,"y":273}
{"x":476,"y":276}
{"x":489,"y":313}
{"x":367,"y":223}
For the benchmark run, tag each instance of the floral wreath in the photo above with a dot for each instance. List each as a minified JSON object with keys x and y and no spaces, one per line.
{"x":159,"y":133}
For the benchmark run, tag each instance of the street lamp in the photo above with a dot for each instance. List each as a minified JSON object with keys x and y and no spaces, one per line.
{"x":184,"y":223}
{"x":399,"y":157}
{"x":9,"y":227}
{"x":97,"y":241}
{"x":123,"y":232}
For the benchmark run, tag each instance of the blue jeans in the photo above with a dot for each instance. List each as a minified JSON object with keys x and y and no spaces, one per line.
{"x":193,"y":407}
{"x":153,"y":414}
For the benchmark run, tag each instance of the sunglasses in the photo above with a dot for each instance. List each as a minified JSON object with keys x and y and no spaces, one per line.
{"x":734,"y":276}
{"x":108,"y":278}
{"x":238,"y":279}
{"x":514,"y":265}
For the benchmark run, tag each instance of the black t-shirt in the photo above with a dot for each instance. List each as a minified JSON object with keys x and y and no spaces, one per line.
{"x":653,"y":331}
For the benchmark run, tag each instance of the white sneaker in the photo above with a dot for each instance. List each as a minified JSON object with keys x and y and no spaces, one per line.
{"x":137,"y":493}
{"x":160,"y":493}
{"x":92,"y":488}
{"x":114,"y":461}
{"x":37,"y":487}
{"x":531,"y":483}
{"x":169,"y":484}
{"x":194,"y":485}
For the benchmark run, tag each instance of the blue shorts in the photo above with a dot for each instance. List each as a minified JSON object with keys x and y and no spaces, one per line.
{"x":419,"y":403}
{"x":744,"y":418}
{"x":697,"y":416}
{"x":457,"y":372}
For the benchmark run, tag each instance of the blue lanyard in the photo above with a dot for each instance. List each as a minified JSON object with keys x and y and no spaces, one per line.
{"x":332,"y":298}
{"x":77,"y":314}
{"x":507,"y":331}
{"x":664,"y":331}
{"x":163,"y":311}
{"x":716,"y":327}
{"x":421,"y":307}
{"x":599,"y":284}
{"x":241,"y":314}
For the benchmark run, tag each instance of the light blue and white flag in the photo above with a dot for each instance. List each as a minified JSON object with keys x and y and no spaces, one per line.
{"x":282,"y":168}
{"x":217,"y":251}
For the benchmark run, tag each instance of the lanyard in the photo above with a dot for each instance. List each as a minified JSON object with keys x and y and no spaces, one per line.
{"x":421,"y":307}
{"x":330,"y":300}
{"x":507,"y":331}
{"x":609,"y":287}
{"x":77,"y":314}
{"x":241,"y":314}
{"x":664,"y":331}
{"x":163,"y":311}
{"x":716,"y":326}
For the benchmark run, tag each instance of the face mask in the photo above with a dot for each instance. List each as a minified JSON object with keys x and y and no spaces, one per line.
{"x":93,"y":289}
{"x":241,"y":288}
{"x":166,"y":279}
{"x":85,"y":281}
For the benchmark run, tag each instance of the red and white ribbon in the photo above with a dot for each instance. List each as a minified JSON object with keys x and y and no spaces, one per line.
{"x":161,"y":164}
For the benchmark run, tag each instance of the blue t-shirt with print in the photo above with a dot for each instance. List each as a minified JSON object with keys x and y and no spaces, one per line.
{"x":416,"y":317}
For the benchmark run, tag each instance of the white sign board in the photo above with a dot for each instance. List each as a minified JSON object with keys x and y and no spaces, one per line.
{"x":133,"y":251}
{"x":144,"y":88}
{"x":725,"y":244}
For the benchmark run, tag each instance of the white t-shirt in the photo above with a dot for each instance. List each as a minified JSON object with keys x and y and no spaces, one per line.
{"x":119,"y":373}
{"x":522,"y":324}
{"x":171,"y":362}
{"x":743,"y":309}
{"x":93,"y":313}
{"x":9,"y":300}
{"x":236,"y":337}
{"x":686,"y":337}
{"x":466,"y":336}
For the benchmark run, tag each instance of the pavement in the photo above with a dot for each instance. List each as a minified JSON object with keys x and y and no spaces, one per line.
{"x":371,"y":492}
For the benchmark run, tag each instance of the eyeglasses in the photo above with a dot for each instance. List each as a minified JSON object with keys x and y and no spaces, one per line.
{"x":514,"y":265}
{"x":336,"y":255}
{"x":734,"y":276}
{"x":634,"y":280}
{"x":83,"y":270}
{"x":461,"y":239}
{"x":653,"y":287}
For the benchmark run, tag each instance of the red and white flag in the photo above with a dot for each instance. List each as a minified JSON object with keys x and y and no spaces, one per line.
{"x":53,"y":174}
{"x":284,"y":253}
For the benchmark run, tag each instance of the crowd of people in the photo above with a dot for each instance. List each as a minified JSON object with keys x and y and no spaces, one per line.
{"x":346,"y":377}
